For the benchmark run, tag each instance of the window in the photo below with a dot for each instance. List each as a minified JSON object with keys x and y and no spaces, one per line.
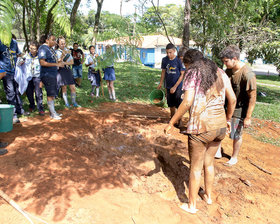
{"x":163,"y":51}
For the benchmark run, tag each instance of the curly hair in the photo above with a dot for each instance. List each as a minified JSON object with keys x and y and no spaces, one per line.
{"x":199,"y":64}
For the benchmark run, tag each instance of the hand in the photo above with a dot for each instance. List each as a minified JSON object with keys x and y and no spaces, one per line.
{"x":228,"y":127}
{"x":159,"y":86}
{"x":60,"y":64}
{"x":173,"y":89}
{"x":41,"y":85}
{"x":2,"y":74}
{"x":167,"y":129}
{"x":247,"y":122}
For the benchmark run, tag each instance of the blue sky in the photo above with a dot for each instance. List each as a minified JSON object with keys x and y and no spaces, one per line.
{"x":128,"y":8}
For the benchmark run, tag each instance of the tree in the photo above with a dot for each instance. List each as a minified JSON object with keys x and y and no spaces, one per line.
{"x":186,"y":32}
{"x":97,"y":19}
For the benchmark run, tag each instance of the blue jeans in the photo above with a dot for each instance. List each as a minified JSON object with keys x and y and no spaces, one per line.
{"x":34,"y":86}
{"x":77,"y":71}
{"x":12,"y":94}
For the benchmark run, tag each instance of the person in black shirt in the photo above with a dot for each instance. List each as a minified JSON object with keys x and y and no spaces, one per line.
{"x":77,"y":67}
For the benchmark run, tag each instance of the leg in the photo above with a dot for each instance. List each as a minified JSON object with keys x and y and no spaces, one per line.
{"x":109,"y":89}
{"x":73,"y":96}
{"x":30,"y":94}
{"x":172,"y":111}
{"x":236,"y":135}
{"x":209,"y":171}
{"x":39,"y":95}
{"x":218,"y":154}
{"x":11,"y":94}
{"x":64,"y":95}
{"x":113,"y":90}
{"x":236,"y":148}
{"x":197,"y":151}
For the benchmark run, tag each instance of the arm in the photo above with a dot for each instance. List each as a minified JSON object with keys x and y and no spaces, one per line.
{"x":231,"y":98}
{"x":161,"y":78}
{"x":252,"y":101}
{"x":183,"y":108}
{"x":71,"y":62}
{"x":83,"y":58}
{"x":47,"y":64}
{"x":173,"y":89}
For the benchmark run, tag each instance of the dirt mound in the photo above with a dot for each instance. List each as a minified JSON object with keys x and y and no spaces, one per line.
{"x":113,"y":164}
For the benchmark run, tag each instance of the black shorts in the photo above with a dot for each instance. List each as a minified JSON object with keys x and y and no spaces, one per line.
{"x":50,"y":84}
{"x":174,"y":100}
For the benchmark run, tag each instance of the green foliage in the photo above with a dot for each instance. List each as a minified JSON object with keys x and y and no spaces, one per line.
{"x":60,"y":16}
{"x":7,"y":15}
{"x":172,"y":16}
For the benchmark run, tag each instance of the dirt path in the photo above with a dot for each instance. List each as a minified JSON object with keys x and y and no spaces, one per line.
{"x":114,"y":165}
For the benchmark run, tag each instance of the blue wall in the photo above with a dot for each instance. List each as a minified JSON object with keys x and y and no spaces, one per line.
{"x":147,"y":56}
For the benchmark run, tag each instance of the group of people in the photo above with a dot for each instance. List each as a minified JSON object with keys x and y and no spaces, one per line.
{"x":49,"y":65}
{"x":52,"y":65}
{"x":218,"y":102}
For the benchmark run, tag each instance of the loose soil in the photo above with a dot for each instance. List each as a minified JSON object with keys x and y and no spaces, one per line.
{"x":113,"y":164}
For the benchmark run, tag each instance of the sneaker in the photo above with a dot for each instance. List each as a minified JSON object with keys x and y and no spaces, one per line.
{"x":76,"y":105}
{"x":42,"y":113}
{"x":67,"y":105}
{"x":3,"y":144}
{"x":16,"y":120}
{"x":55,"y":116}
{"x":92,"y":94}
{"x":3,"y":151}
{"x":31,"y":110}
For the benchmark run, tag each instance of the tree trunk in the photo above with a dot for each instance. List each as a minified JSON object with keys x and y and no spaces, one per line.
{"x":49,"y":19}
{"x":97,"y":19}
{"x":37,"y":20}
{"x":24,"y":25}
{"x":186,"y":32}
{"x":29,"y":17}
{"x":121,"y":1}
{"x":74,"y":13}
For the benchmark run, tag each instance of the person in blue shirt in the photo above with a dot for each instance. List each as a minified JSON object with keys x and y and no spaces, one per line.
{"x":48,"y":74}
{"x":172,"y":76}
{"x":8,"y":60}
{"x":33,"y":68}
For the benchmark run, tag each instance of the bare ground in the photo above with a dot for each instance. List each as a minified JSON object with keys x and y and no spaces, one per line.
{"x":114,"y":165}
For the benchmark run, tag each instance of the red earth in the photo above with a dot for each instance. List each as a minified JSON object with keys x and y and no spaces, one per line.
{"x":113,"y":164}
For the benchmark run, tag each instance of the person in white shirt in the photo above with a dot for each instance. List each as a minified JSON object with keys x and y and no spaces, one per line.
{"x":33,"y":69}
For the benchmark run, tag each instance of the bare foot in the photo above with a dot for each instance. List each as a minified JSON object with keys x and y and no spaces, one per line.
{"x":207,"y":199}
{"x":231,"y":162}
{"x":186,"y":208}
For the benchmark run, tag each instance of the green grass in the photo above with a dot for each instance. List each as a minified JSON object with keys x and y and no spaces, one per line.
{"x":269,"y":79}
{"x":268,"y":107}
{"x":133,"y":84}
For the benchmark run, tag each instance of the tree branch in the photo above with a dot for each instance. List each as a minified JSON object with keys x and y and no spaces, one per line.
{"x":157,"y":12}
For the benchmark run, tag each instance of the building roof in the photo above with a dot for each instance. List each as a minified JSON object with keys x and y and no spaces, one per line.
{"x":151,"y":41}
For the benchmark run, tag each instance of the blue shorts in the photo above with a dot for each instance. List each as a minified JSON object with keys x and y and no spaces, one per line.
{"x":237,"y":125}
{"x":174,"y":100}
{"x":77,"y":71}
{"x":50,"y":83}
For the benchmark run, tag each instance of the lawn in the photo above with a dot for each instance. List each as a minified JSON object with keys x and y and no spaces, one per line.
{"x":269,"y":79}
{"x":135,"y":82}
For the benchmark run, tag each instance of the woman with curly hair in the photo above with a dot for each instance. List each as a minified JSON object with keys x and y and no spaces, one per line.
{"x":206,"y":87}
